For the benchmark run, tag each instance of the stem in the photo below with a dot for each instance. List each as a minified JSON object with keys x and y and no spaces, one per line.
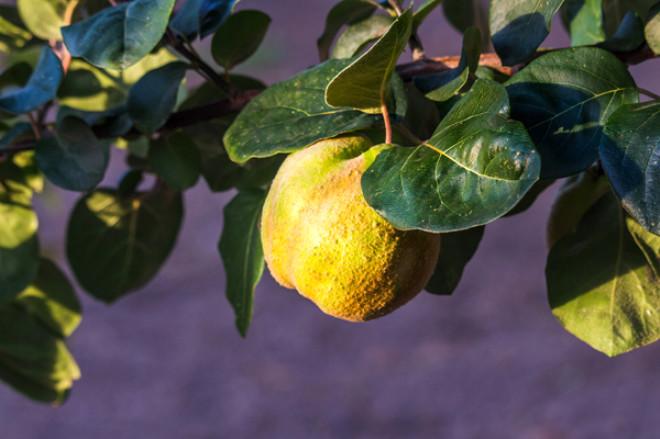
{"x":648,"y":93}
{"x":34,"y":125}
{"x":197,"y":62}
{"x":388,"y":123}
{"x":395,"y":6}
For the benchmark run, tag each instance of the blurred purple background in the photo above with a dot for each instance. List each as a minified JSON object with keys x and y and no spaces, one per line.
{"x":488,"y":362}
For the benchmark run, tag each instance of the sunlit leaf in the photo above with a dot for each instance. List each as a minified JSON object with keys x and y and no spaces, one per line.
{"x":603,"y":280}
{"x":477,"y":165}
{"x":120,"y":36}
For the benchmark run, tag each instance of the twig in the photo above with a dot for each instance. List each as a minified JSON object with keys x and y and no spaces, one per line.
{"x":428,"y":66}
{"x":35,"y":126}
{"x":648,"y":93}
{"x":197,"y":62}
{"x":388,"y":123}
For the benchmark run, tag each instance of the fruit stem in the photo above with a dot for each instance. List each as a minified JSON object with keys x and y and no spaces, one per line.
{"x":388,"y":123}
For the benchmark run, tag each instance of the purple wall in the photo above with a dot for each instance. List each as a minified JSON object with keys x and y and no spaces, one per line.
{"x":490,"y":361}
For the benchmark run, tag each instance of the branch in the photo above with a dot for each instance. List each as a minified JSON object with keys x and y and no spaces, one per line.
{"x":176,"y":120}
{"x":434,"y":65}
{"x":407,"y":71}
{"x":429,"y":66}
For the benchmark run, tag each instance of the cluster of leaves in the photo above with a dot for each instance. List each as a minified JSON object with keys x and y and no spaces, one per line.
{"x":473,"y":143}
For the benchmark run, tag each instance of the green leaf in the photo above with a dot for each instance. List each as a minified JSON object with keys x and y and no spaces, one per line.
{"x":201,"y":17}
{"x":33,"y":360}
{"x":40,"y":88}
{"x":153,"y":98}
{"x":292,"y":115}
{"x":176,"y":160}
{"x":16,"y":75}
{"x":89,"y":88}
{"x":563,"y":99}
{"x":344,"y":12}
{"x":464,"y":14}
{"x":420,"y":14}
{"x":74,"y":159}
{"x":628,"y":36}
{"x":652,"y":29}
{"x":475,"y":168}
{"x":574,"y":199}
{"x":50,"y":298}
{"x":454,"y":80}
{"x":359,"y":34}
{"x":603,"y":281}
{"x":43,"y":18}
{"x":239,"y":37}
{"x":530,"y":197}
{"x":117,"y":244}
{"x":19,"y":247}
{"x":242,"y":255}
{"x":364,"y":83}
{"x":630,"y":155}
{"x":584,"y":20}
{"x":457,"y":250}
{"x":120,"y":36}
{"x":13,"y":34}
{"x":16,"y":132}
{"x":518,"y":27}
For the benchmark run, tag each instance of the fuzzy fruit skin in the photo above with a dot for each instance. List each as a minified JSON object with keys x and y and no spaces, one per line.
{"x":321,"y":237}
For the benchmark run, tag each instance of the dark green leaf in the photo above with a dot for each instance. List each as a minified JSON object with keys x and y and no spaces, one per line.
{"x":43,"y":18}
{"x":19,"y":247}
{"x":51,"y":299}
{"x":476,"y":167}
{"x":18,"y":131}
{"x":456,"y":251}
{"x":452,"y":81}
{"x":628,"y":36}
{"x":16,"y":75}
{"x":575,"y":197}
{"x":365,"y":82}
{"x":584,"y":20}
{"x":344,"y":12}
{"x":117,"y":244}
{"x":239,"y":37}
{"x":40,"y":88}
{"x":120,"y":36}
{"x":463,"y":14}
{"x":201,"y":17}
{"x":518,"y":27}
{"x":153,"y":98}
{"x":359,"y":34}
{"x":603,"y":280}
{"x":75,"y":159}
{"x":242,"y":255}
{"x":33,"y":360}
{"x":563,"y":98}
{"x":630,"y":154}
{"x":13,"y":34}
{"x":530,"y":197}
{"x":292,"y":115}
{"x":422,"y":116}
{"x":176,"y":160}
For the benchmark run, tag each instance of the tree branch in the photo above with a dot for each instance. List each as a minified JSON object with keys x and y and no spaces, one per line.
{"x":407,"y":71}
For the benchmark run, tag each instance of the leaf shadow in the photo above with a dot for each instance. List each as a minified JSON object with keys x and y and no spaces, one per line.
{"x":516,"y":41}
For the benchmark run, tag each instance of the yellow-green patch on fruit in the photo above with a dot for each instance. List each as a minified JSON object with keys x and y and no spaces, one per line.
{"x":321,"y":237}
